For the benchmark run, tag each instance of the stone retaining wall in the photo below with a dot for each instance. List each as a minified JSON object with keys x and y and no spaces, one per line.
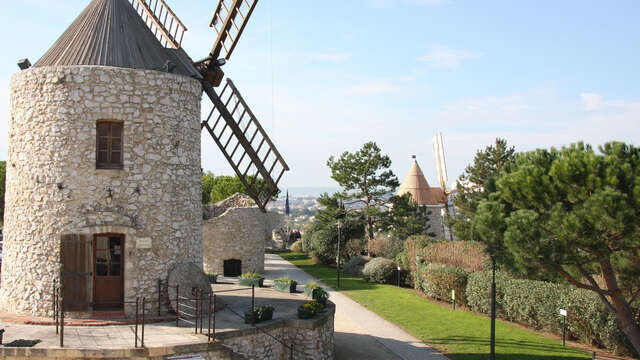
{"x":311,"y":339}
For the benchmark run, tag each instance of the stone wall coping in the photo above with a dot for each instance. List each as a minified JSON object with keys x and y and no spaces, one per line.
{"x":125,"y":353}
{"x":309,"y":324}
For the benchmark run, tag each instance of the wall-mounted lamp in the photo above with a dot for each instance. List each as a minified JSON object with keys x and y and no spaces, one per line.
{"x":60,"y":186}
{"x":109,"y":193}
{"x":137,"y":190}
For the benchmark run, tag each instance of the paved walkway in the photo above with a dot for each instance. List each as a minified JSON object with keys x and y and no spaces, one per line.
{"x":359,"y":333}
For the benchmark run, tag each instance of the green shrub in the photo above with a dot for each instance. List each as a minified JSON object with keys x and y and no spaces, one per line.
{"x":437,"y":281}
{"x":537,"y":304}
{"x":251,"y":275}
{"x":380,"y":270}
{"x":356,"y":264}
{"x":297,"y":246}
{"x":306,"y":239}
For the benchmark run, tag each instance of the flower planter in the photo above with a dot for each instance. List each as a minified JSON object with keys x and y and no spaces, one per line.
{"x":304,"y":313}
{"x":251,"y":281}
{"x":309,"y":292}
{"x":285,"y":286}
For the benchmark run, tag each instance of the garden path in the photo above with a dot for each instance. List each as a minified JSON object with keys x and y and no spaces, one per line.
{"x":359,"y":333}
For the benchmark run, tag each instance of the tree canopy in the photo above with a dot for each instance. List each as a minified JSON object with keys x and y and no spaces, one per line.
{"x":366,"y":178}
{"x":406,"y":218}
{"x":573,"y":212}
{"x":217,"y":188}
{"x":477,"y":181}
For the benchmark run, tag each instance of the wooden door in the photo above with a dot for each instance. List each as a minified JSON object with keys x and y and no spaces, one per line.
{"x":108,"y":271}
{"x":75,"y":252}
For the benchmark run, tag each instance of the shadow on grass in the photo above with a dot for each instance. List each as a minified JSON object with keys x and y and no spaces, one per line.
{"x":515,"y":357}
{"x":521,"y":345}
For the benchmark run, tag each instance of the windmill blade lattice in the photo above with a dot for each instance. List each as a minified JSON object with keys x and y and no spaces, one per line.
{"x":162,"y":21}
{"x":244,"y":143}
{"x":229,"y":21}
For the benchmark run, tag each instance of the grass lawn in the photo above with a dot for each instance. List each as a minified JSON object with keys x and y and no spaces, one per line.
{"x":462,"y":335}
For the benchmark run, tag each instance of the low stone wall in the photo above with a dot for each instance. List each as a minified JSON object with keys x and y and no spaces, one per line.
{"x":311,"y":339}
{"x":236,"y":229}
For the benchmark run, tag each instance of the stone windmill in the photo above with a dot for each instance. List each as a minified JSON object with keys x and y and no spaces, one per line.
{"x":103,"y":179}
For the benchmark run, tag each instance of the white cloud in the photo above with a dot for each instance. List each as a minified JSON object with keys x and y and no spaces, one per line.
{"x":591,"y":101}
{"x":374,"y":87}
{"x":447,"y":58}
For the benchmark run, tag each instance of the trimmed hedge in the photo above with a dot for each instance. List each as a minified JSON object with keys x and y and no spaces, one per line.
{"x":380,"y":270}
{"x":468,"y":255}
{"x":537,"y":304}
{"x":437,"y":281}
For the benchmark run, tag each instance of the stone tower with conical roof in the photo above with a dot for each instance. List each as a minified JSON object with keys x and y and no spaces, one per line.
{"x":103,"y":172}
{"x":432,"y":197}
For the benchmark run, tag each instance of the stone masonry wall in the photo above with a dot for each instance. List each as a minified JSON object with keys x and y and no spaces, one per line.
{"x":236,"y":234}
{"x":54,"y":188}
{"x":312,"y":340}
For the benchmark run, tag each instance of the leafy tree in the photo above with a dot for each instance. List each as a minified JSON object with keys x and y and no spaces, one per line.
{"x":208,"y":180}
{"x":322,"y":235}
{"x":475,"y":184}
{"x":366,"y":179}
{"x":217,"y":188}
{"x":573,"y":212}
{"x":225,"y":186}
{"x":407,"y":218}
{"x":3,"y":168}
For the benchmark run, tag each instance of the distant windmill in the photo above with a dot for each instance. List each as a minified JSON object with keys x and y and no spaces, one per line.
{"x":441,"y":167}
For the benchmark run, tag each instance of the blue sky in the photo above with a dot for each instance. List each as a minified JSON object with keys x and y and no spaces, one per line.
{"x":326,"y":76}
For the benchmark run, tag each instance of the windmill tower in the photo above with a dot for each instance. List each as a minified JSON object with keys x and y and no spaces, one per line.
{"x":443,"y":178}
{"x":103,"y":173}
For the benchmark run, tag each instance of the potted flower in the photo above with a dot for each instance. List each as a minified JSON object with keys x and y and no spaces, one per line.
{"x":260,"y":313}
{"x":308,"y":309}
{"x":251,"y":278}
{"x":285,"y":284}
{"x":316,"y":292}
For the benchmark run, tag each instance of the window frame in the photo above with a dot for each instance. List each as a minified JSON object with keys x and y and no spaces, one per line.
{"x":110,"y":164}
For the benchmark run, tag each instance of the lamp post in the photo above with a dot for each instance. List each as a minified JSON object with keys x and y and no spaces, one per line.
{"x":339,"y":216}
{"x":493,"y":310}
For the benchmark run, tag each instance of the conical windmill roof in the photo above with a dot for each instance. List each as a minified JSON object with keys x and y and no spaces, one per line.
{"x":416,"y":184}
{"x":111,"y":33}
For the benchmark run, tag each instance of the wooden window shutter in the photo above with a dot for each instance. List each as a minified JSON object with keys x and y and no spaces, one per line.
{"x":75,"y":257}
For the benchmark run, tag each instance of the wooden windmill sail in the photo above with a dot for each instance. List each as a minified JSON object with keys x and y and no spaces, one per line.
{"x":441,"y":167}
{"x":231,"y":123}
